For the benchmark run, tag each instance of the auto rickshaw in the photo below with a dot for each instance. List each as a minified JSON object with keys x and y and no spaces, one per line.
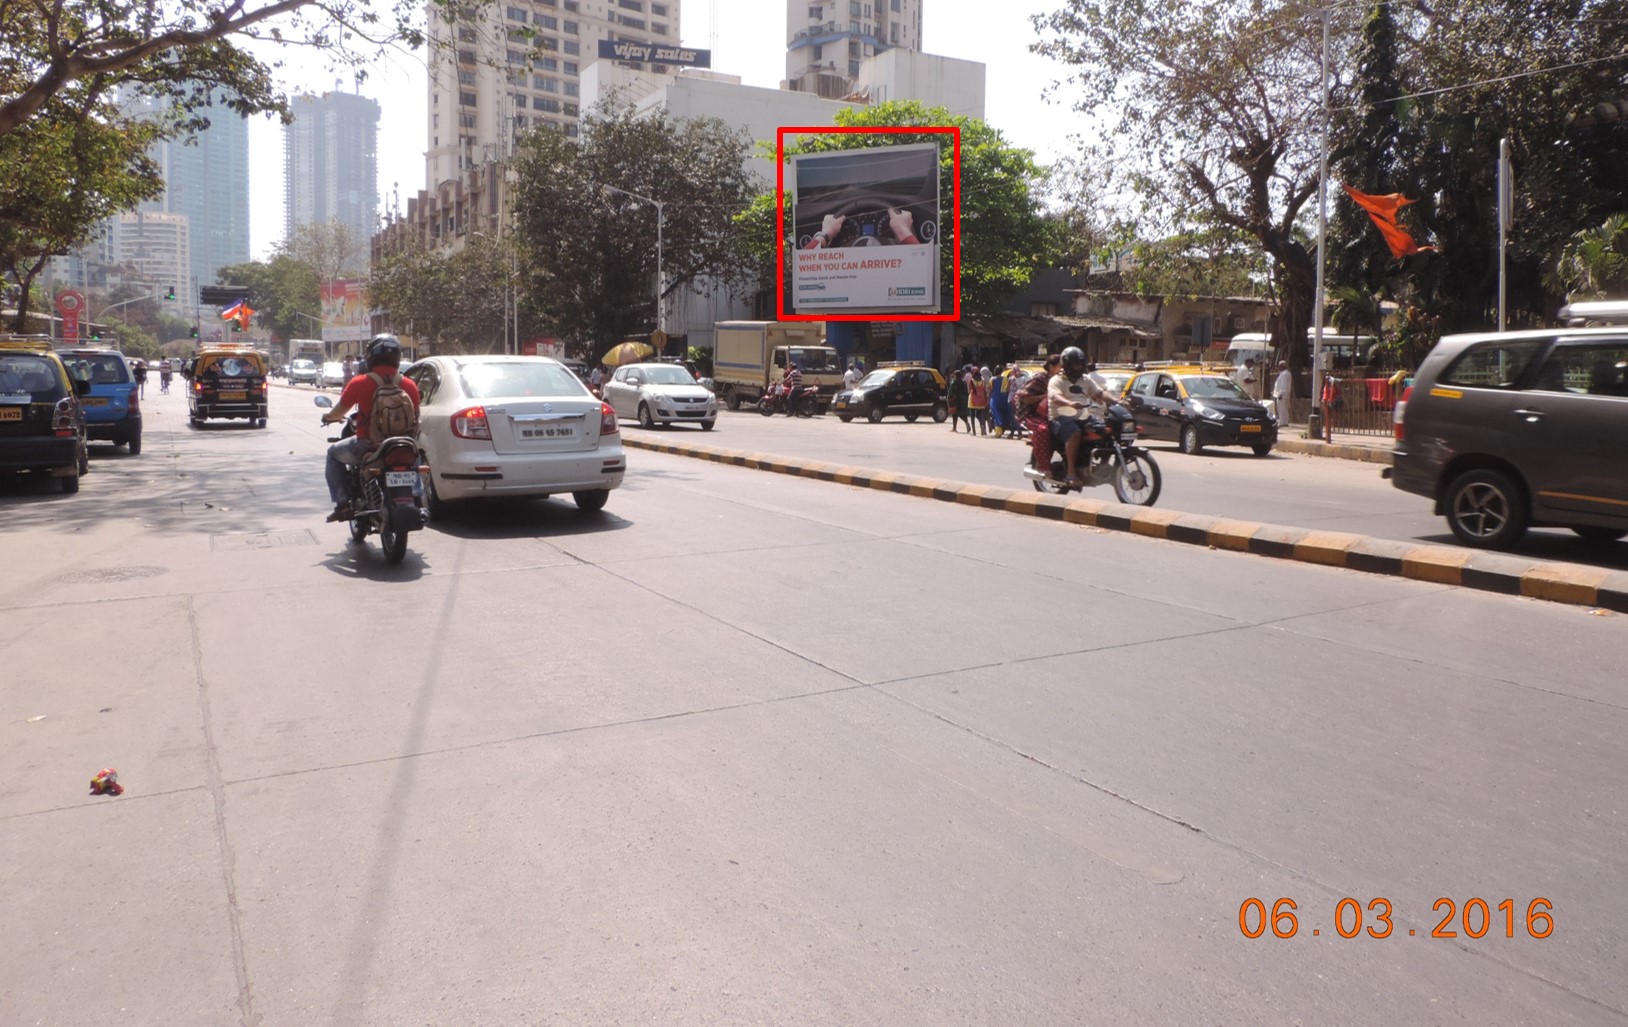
{"x":228,"y":381}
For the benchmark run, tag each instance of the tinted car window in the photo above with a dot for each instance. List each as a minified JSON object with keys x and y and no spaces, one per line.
{"x":24,"y":373}
{"x":874,"y":379}
{"x":1599,"y":370}
{"x":100,"y":368}
{"x":494,"y":380}
{"x":1496,"y":365}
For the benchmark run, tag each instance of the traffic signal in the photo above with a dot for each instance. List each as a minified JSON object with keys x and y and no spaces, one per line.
{"x":96,"y":334}
{"x":237,"y":326}
{"x":169,"y":292}
{"x":194,"y":332}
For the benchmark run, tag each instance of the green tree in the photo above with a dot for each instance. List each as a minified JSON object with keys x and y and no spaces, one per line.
{"x":73,"y":165}
{"x":1216,"y":107}
{"x":1214,"y":261}
{"x":588,"y":253}
{"x":1004,"y":236}
{"x":1593,"y":263}
{"x":452,"y":299}
{"x":283,"y":291}
{"x":331,"y":249}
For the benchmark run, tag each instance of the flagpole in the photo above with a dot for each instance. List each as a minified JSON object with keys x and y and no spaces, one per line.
{"x":1314,"y":425}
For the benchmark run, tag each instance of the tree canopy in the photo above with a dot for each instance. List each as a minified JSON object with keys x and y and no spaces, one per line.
{"x":588,"y":253}
{"x":451,"y":298}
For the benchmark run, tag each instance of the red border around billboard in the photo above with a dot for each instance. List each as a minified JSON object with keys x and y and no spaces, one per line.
{"x":781,"y":313}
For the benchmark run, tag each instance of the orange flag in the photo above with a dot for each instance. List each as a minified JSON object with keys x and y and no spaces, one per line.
{"x":1383,"y":211}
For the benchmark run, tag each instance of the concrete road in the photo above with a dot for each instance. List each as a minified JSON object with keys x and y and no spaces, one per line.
{"x":747,"y":749}
{"x":1284,"y":488}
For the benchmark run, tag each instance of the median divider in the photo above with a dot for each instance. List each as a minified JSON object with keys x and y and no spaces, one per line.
{"x":1574,"y":584}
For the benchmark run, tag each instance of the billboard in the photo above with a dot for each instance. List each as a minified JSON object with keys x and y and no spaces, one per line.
{"x":865,"y":231}
{"x":653,"y":53}
{"x":344,"y":311}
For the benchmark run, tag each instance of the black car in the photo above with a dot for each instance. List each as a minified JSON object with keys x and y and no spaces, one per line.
{"x":42,"y":425}
{"x":1195,"y":410}
{"x":910,"y":391}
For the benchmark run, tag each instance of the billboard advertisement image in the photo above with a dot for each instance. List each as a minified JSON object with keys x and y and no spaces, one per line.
{"x":866,"y":230}
{"x":344,"y":311}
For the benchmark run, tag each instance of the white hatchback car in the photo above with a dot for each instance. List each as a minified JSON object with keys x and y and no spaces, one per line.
{"x":493,"y":426}
{"x":661,"y":394}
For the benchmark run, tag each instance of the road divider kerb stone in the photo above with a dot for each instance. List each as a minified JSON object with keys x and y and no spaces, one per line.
{"x":1464,"y":568}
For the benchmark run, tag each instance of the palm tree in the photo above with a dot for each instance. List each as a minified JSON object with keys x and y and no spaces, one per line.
{"x":1594,"y":262}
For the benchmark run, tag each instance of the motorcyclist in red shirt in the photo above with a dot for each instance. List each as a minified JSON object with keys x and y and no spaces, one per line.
{"x":383,"y":359}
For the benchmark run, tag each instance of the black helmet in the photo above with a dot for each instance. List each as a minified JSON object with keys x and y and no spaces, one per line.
{"x":384,"y":350}
{"x":1073,"y":361}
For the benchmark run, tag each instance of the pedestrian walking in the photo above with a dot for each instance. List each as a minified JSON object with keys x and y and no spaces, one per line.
{"x":978,"y":399}
{"x":850,"y":377}
{"x":1282,"y":393}
{"x":1016,"y":378}
{"x":956,"y":398}
{"x":141,"y":379}
{"x":997,"y":402}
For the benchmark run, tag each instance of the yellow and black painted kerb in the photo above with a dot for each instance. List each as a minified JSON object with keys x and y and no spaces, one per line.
{"x":1465,"y":568}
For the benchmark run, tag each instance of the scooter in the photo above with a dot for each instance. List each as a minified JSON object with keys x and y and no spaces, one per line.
{"x":384,"y":490}
{"x":1109,"y":454}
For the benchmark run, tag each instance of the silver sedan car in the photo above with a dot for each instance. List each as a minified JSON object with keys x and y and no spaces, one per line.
{"x":661,"y":394}
{"x":497,"y":426}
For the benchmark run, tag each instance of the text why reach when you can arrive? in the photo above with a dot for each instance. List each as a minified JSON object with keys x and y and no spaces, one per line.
{"x":813,"y":260}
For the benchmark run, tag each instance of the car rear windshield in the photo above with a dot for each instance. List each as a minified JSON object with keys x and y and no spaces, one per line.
{"x":22,"y":374}
{"x":504,"y":379}
{"x":232,"y":365}
{"x":99,"y":368}
{"x":1495,"y":365}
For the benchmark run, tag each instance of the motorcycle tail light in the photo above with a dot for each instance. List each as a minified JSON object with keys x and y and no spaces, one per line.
{"x":401,"y":458}
{"x":607,"y":420}
{"x":471,"y":423}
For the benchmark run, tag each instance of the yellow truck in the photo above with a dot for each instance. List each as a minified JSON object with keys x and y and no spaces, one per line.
{"x":748,"y":356}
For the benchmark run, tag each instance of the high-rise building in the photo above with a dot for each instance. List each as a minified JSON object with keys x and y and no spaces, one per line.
{"x":206,"y":178}
{"x":520,"y":67}
{"x":826,"y":40}
{"x":331,"y":164}
{"x":156,"y":247}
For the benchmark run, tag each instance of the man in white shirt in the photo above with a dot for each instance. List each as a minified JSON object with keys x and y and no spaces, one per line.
{"x":1247,"y":378}
{"x":1282,"y":393}
{"x":1071,"y":395}
{"x":850,"y":377}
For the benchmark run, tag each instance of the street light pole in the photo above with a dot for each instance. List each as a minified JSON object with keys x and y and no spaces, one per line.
{"x":661,"y":305}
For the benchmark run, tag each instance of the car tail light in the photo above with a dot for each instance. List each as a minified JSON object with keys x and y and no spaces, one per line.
{"x":135,"y":399}
{"x":1401,"y":407}
{"x":197,"y":386}
{"x":607,"y":420}
{"x":62,"y":418}
{"x":471,"y":423}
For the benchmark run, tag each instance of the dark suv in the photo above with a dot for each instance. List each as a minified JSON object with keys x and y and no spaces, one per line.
{"x":113,"y":405}
{"x":42,"y":426}
{"x":1521,"y":429}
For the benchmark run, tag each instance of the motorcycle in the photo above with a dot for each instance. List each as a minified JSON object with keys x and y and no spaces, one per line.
{"x":1109,"y":454}
{"x":384,"y":490}
{"x":806,"y":402}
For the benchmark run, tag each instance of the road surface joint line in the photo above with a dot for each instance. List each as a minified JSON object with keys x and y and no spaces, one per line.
{"x":1554,"y":582}
{"x":217,"y":792}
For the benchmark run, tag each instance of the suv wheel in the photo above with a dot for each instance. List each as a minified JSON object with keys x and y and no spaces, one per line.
{"x":135,"y":444}
{"x":1486,"y":509}
{"x":70,"y":484}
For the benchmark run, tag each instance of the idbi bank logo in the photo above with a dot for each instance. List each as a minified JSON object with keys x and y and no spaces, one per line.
{"x":907,"y":290}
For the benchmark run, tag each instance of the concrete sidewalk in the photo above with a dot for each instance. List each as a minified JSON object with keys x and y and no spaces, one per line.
{"x":1373,"y":449}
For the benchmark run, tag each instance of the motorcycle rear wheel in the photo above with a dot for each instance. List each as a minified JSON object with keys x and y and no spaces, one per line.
{"x":1137,"y":480}
{"x":765,"y":406}
{"x":393,"y":542}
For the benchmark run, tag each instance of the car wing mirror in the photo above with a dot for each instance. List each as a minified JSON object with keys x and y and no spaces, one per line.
{"x":634,"y":379}
{"x":322,"y":401}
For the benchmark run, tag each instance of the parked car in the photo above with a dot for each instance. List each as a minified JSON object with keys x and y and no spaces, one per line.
{"x":333,"y":374}
{"x":42,"y":425}
{"x":1513,"y":430}
{"x":908,"y":390}
{"x":658,"y":393}
{"x":113,"y":405}
{"x":495,"y":426}
{"x":305,"y":371}
{"x":1194,"y":410}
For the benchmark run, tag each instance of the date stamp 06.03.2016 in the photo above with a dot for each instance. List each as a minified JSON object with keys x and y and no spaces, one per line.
{"x":1350,"y":918}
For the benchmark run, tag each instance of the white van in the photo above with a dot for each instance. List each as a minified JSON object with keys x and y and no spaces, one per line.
{"x":1250,"y":344}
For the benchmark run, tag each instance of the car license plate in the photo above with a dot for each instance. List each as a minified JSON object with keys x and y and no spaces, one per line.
{"x":94,"y":401}
{"x":400,"y":479}
{"x":1249,"y":427}
{"x":554,"y":431}
{"x":11,"y":413}
{"x":842,"y":404}
{"x":234,"y":395}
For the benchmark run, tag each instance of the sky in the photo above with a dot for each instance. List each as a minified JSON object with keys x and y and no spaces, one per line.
{"x":750,"y":43}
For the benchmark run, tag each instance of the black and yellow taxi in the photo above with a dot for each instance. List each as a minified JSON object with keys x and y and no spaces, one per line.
{"x":908,"y":389}
{"x":227,"y":381}
{"x":42,"y":424}
{"x":1194,"y":408}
